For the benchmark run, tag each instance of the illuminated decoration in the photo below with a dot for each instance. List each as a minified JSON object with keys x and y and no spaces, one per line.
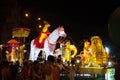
{"x":99,"y":55}
{"x":70,"y":51}
{"x":13,"y":42}
{"x":67,"y":51}
{"x":60,"y":50}
{"x":98,"y":50}
{"x":20,"y":32}
{"x":39,"y":41}
{"x":86,"y":53}
{"x":21,"y":53}
{"x":109,"y":75}
{"x":44,"y":32}
{"x":12,"y":46}
{"x":49,"y":44}
{"x":110,"y":70}
{"x":93,"y":53}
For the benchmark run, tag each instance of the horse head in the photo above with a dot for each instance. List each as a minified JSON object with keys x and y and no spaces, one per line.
{"x":61,"y":31}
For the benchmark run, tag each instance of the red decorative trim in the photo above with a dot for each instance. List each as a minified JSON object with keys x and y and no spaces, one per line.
{"x":27,"y":29}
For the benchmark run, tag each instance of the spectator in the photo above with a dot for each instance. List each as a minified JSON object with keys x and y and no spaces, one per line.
{"x":5,"y":72}
{"x":51,"y":70}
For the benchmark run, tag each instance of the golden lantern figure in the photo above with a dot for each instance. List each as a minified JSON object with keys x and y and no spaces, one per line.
{"x":70,"y":51}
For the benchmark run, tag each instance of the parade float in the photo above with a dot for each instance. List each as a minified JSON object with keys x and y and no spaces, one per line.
{"x":45,"y":42}
{"x":21,"y":34}
{"x":93,"y":58}
{"x":67,"y":51}
{"x":70,"y":51}
{"x":12,"y":51}
{"x":37,"y":44}
{"x":94,"y":54}
{"x":91,"y":61}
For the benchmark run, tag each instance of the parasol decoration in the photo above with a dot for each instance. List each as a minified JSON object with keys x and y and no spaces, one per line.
{"x":13,"y":42}
{"x":21,"y":32}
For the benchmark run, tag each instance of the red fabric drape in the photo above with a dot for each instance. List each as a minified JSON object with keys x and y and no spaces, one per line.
{"x":37,"y":43}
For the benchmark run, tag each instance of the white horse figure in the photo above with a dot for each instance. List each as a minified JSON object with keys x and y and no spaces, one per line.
{"x":49,"y":44}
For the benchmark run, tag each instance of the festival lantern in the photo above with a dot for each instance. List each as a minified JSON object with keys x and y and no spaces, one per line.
{"x":70,"y":51}
{"x":21,"y":33}
{"x":12,"y":46}
{"x":13,"y":43}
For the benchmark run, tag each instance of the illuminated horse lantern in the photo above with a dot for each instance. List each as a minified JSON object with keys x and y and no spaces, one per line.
{"x":49,"y":44}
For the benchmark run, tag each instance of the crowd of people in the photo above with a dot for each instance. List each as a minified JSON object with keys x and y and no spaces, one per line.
{"x":50,"y":69}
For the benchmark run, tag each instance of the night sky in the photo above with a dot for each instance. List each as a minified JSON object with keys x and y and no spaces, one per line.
{"x":81,"y":19}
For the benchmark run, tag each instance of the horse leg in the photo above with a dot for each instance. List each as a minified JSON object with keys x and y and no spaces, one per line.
{"x":32,"y":51}
{"x":37,"y":51}
{"x":31,"y":56}
{"x":47,"y":49}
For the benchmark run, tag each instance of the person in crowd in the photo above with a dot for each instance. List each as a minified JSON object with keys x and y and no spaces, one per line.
{"x":72,"y":72}
{"x":50,"y":69}
{"x":36,"y":71}
{"x":61,"y":65}
{"x":5,"y":72}
{"x":25,"y":71}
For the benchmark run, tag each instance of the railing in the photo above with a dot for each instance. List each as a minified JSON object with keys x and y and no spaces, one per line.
{"x":82,"y":76}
